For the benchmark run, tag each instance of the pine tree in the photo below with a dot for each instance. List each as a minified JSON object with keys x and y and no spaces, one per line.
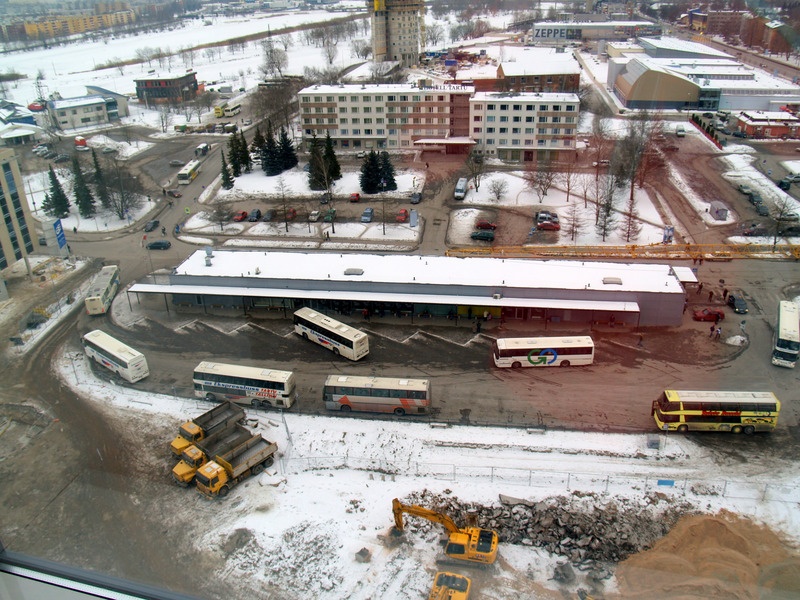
{"x":286,"y":150}
{"x":47,"y":205}
{"x":234,"y":156}
{"x":331,"y":162}
{"x":84,"y":199}
{"x":227,"y":179}
{"x":370,"y":178}
{"x":58,"y":198}
{"x":270,"y":161}
{"x":387,"y":172}
{"x":258,"y":142}
{"x":244,"y":155}
{"x":317,"y":173}
{"x":99,"y":179}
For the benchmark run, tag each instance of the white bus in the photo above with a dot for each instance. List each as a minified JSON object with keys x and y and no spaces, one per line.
{"x":377,"y":394}
{"x":543,"y":351}
{"x":188,"y":173}
{"x":787,"y":335}
{"x":115,"y":356}
{"x":254,"y":386}
{"x":102,"y":290}
{"x":233,"y":109}
{"x":341,"y":339}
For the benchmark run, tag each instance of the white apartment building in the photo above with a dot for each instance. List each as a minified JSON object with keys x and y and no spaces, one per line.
{"x":523,"y":127}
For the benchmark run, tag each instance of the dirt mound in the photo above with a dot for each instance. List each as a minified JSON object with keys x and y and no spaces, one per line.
{"x":722,"y":556}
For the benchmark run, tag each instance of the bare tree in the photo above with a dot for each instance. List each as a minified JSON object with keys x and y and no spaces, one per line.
{"x":275,"y":59}
{"x":606,"y":216}
{"x":330,"y":51}
{"x":221,"y":214}
{"x":286,"y":40}
{"x":126,"y":194}
{"x":568,"y":175}
{"x":164,"y":117}
{"x":498,"y":187}
{"x":574,"y":222}
{"x":434,"y":34}
{"x":600,"y":144}
{"x":540,"y":177}
{"x":282,"y":190}
{"x":361,"y":49}
{"x":187,"y":56}
{"x":476,"y":168}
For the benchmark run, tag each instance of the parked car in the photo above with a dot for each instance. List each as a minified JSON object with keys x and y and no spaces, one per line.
{"x":708,"y":115}
{"x":151,"y":225}
{"x":159,"y":245}
{"x":548,"y":226}
{"x":483,"y":235}
{"x":176,"y":163}
{"x":314,"y":216}
{"x":330,"y":216}
{"x":61,"y":158}
{"x":269,"y":215}
{"x":247,"y":122}
{"x":239,"y":215}
{"x":737,"y":303}
{"x":291,"y":213}
{"x":785,"y":184}
{"x":791,"y":230}
{"x":789,"y":216}
{"x":745,"y":189}
{"x":708,"y":314}
{"x":740,"y":134}
{"x":366,"y":216}
{"x":755,"y":230}
{"x":755,"y":198}
{"x":485,"y":224}
{"x":402,"y":215}
{"x":50,"y":155}
{"x":361,"y":154}
{"x":793,"y":177}
{"x":762,"y":210}
{"x":174,"y":193}
{"x":108,"y":150}
{"x":546,"y":215}
{"x":355,"y":197}
{"x":416,"y":198}
{"x":255,"y":215}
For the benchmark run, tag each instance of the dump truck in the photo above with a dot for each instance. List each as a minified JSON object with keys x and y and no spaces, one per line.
{"x":198,"y":428}
{"x":468,"y":545}
{"x":199,"y":453}
{"x":450,"y":586}
{"x":217,"y":477}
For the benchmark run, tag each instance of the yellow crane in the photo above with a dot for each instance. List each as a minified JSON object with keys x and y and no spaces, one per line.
{"x":471,"y":545}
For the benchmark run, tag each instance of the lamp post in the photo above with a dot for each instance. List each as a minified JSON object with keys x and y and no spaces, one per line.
{"x":383,"y":203}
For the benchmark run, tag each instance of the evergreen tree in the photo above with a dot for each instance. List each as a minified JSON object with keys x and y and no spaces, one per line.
{"x":58,"y":199}
{"x":286,"y":150}
{"x":244,"y":155}
{"x":370,"y":178}
{"x":84,"y":199}
{"x":387,"y":172}
{"x":234,"y":156}
{"x":317,"y":174}
{"x":99,"y":179}
{"x":47,"y":205}
{"x":227,"y":179}
{"x":270,"y":161}
{"x":258,"y":142}
{"x":331,"y":162}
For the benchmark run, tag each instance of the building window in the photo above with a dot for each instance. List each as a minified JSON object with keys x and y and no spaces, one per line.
{"x":490,"y":130}
{"x":529,"y":107}
{"x":517,"y":119}
{"x":556,"y":120}
{"x":516,"y":130}
{"x":504,"y":119}
{"x":504,"y":107}
{"x":504,"y":130}
{"x":529,"y":119}
{"x":477,"y":106}
{"x":491,"y":107}
{"x":343,"y":131}
{"x":570,"y":108}
{"x":542,"y":130}
{"x":365,"y":99}
{"x":519,"y":106}
{"x":356,"y":132}
{"x":476,"y":130}
{"x":342,"y":109}
{"x":542,"y":119}
{"x":356,"y":121}
{"x":543,"y":107}
{"x":367,"y":109}
{"x":490,"y":118}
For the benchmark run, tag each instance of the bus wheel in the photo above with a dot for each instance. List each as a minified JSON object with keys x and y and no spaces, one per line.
{"x":399,"y":412}
{"x":305,"y":335}
{"x":255,"y":403}
{"x":564,"y":363}
{"x":258,"y":469}
{"x":336,"y":351}
{"x":345,"y":408}
{"x":736,"y":429}
{"x":749,"y":430}
{"x":211,"y":397}
{"x":516,"y":364}
{"x":683,"y":428}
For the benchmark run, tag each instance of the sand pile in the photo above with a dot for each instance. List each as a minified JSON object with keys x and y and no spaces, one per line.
{"x":722,"y":556}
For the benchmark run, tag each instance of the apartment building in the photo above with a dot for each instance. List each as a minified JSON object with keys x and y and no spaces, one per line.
{"x":388,"y":117}
{"x":398,"y":31}
{"x":524,"y":127}
{"x":15,"y":233}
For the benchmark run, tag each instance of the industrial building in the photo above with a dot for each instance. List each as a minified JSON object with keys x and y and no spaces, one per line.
{"x":535,"y":291}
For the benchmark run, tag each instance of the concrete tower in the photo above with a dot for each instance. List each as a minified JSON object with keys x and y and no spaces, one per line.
{"x":398,"y":30}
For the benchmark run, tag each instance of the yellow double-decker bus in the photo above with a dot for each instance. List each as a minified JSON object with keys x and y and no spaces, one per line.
{"x":737,"y":412}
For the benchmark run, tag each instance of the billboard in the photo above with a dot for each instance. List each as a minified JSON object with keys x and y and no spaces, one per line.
{"x":548,"y":32}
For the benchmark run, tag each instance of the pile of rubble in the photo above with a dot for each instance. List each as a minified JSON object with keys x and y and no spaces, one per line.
{"x":583,"y":528}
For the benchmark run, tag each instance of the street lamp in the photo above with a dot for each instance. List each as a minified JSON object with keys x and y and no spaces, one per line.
{"x":383,"y":203}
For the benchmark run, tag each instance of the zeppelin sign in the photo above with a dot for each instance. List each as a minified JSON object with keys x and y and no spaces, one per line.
{"x":557,"y":33}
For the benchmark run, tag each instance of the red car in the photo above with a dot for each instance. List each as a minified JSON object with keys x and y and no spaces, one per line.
{"x":708,"y":314}
{"x":240,"y":215}
{"x":402,"y":216}
{"x":484,"y":224}
{"x":355,"y":197}
{"x":549,"y":226}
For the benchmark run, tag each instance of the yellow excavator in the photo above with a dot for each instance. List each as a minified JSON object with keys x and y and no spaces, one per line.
{"x":470,"y":545}
{"x":450,"y":586}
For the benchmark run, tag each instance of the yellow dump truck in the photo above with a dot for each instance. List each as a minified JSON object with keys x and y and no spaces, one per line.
{"x":199,"y":453}
{"x":217,"y":477}
{"x":204,"y":425}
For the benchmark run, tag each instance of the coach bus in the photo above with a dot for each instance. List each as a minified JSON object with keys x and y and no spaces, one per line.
{"x":337,"y":337}
{"x":254,"y":386}
{"x":377,"y":394}
{"x":188,"y":173}
{"x":102,"y":290}
{"x":233,"y":109}
{"x":219,"y":108}
{"x":787,"y":335}
{"x":115,"y":356}
{"x":736,"y":412}
{"x":543,"y":351}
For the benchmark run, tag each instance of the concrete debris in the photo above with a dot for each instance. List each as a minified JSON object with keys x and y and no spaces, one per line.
{"x":363,"y":555}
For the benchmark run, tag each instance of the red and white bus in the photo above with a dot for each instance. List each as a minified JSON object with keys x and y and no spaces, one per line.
{"x":254,"y":386}
{"x":377,"y":394}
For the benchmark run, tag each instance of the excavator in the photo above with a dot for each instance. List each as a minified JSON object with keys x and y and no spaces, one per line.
{"x":470,"y":545}
{"x":450,"y":586}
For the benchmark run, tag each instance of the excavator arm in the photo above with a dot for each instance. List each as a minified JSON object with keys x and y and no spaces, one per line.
{"x":398,"y":508}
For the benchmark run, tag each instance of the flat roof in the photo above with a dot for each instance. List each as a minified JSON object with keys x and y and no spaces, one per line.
{"x":500,"y":273}
{"x":383,"y":88}
{"x":524,"y":96}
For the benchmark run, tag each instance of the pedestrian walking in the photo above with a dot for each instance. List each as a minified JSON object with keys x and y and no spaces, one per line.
{"x":164,"y":191}
{"x":712,"y":330}
{"x":74,"y":230}
{"x":685,"y":304}
{"x":701,"y":262}
{"x":716,"y":320}
{"x":163,"y":231}
{"x":710,"y":295}
{"x":699,"y":288}
{"x":718,"y":333}
{"x":427,"y":165}
{"x":724,"y":294}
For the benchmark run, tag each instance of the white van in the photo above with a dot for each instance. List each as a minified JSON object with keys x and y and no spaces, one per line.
{"x":461,"y":189}
{"x":680,"y":131}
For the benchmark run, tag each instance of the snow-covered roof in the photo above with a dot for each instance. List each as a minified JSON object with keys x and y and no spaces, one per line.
{"x":380,"y":88}
{"x":75,"y":102}
{"x":541,"y":61}
{"x":14,"y":130}
{"x":524,"y":96}
{"x":759,"y":117}
{"x":501,"y":273}
{"x":671,"y":43}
